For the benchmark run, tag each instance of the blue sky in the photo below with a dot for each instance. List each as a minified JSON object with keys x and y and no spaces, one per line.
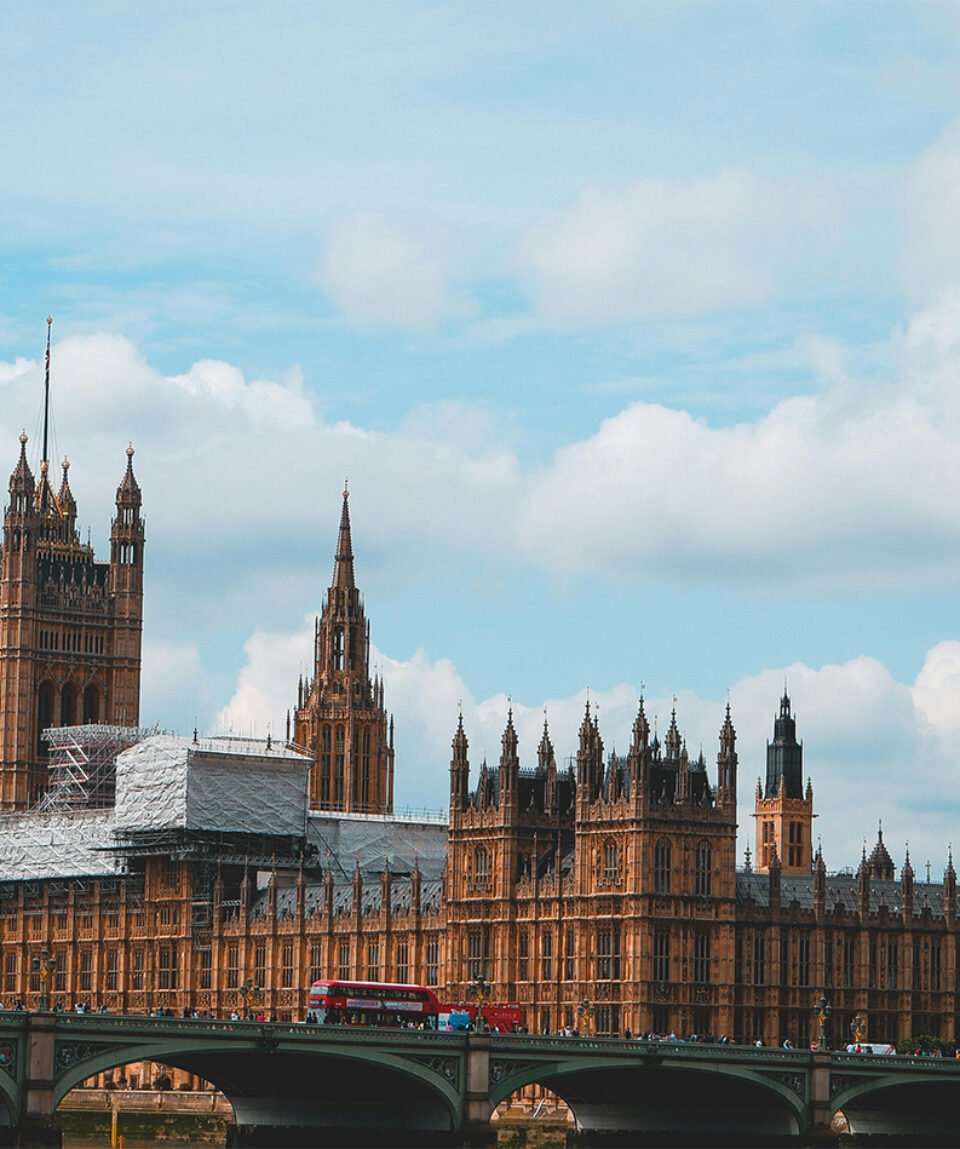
{"x":636,"y":328}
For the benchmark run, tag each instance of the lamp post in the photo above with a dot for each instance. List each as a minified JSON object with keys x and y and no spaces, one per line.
{"x":44,"y":965}
{"x":822,"y":1011}
{"x":249,"y":993}
{"x":479,"y":990}
{"x":858,"y":1029}
{"x":584,"y":1013}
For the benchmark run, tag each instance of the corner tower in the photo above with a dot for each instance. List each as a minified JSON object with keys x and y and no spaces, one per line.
{"x":70,"y":627}
{"x":784,"y":809}
{"x":340,"y":719}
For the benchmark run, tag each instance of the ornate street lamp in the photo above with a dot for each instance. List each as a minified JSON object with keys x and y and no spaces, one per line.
{"x":249,"y":993}
{"x":822,"y":1011}
{"x":479,"y":990}
{"x":858,"y":1029}
{"x":584,"y":1013}
{"x":44,"y":965}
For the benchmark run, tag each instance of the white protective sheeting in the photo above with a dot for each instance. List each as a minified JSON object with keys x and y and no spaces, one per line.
{"x":58,"y":844}
{"x":234,"y":786}
{"x":374,"y":838}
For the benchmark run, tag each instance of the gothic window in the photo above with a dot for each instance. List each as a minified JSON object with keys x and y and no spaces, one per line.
{"x":233,"y":966}
{"x":338,"y":764}
{"x":138,"y":967}
{"x":373,"y":961}
{"x":917,"y":965}
{"x":167,"y":967}
{"x":206,"y":968}
{"x":546,"y":955}
{"x":795,"y":846}
{"x":478,"y":953}
{"x":701,"y":957}
{"x":481,"y":864}
{"x":338,"y":648}
{"x":803,"y":959}
{"x":10,"y":973}
{"x":316,"y":961}
{"x":403,"y":962}
{"x":113,"y":959}
{"x":68,"y":705}
{"x":892,"y":951}
{"x":703,"y":870}
{"x":608,"y":1020}
{"x":611,"y":861}
{"x":662,"y":863}
{"x":759,"y":958}
{"x":661,"y":956}
{"x":325,"y":765}
{"x":433,"y":961}
{"x":828,"y":961}
{"x":936,"y":968}
{"x":872,"y":947}
{"x":86,"y":971}
{"x":570,"y":956}
{"x":523,"y":956}
{"x":91,"y":705}
{"x":286,"y":965}
{"x":44,"y":713}
{"x":849,"y":961}
{"x":343,"y":961}
{"x":365,"y":770}
{"x":608,"y":953}
{"x":260,"y":965}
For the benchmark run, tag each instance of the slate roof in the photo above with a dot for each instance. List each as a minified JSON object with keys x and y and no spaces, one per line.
{"x":841,"y":889}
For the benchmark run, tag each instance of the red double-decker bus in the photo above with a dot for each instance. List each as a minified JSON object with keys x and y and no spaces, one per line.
{"x":372,"y":1003}
{"x":504,"y":1018}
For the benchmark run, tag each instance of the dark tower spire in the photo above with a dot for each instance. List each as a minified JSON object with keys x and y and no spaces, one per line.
{"x":784,"y":756}
{"x":343,"y":578}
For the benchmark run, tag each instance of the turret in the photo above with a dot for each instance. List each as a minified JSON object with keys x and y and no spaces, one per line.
{"x":589,"y":760}
{"x":819,"y":886}
{"x":727,"y":765}
{"x":509,"y":762}
{"x":20,"y":527}
{"x":459,"y":770}
{"x":863,"y":887}
{"x":906,"y":889}
{"x":547,"y":766}
{"x":950,"y":892}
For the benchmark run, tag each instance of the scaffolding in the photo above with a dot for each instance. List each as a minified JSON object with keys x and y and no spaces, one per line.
{"x":83,"y":765}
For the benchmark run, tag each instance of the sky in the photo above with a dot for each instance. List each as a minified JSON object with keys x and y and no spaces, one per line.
{"x":635,"y":327}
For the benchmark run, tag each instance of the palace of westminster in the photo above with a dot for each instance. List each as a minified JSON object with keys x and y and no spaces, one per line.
{"x":173,"y":873}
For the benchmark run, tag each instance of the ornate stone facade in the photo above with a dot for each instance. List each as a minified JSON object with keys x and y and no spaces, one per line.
{"x":605,"y":895}
{"x":340,"y":720}
{"x":70,"y":627}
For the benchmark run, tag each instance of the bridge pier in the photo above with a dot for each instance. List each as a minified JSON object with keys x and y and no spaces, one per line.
{"x":35,"y":1129}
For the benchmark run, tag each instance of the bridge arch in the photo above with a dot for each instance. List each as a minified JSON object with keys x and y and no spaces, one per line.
{"x":297,"y":1083}
{"x":897,"y":1103}
{"x":647,"y":1094}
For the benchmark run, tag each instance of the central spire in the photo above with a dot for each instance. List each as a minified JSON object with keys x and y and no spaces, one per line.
{"x":343,"y":578}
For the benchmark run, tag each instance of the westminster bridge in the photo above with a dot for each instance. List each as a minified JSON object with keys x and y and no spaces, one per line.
{"x":292,"y":1084}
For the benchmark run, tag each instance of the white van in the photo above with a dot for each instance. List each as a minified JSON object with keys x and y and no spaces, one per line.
{"x":871,"y":1047}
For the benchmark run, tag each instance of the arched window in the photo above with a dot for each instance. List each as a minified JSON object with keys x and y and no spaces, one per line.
{"x":481,"y":864}
{"x":662,"y":864}
{"x":338,"y":769}
{"x":338,"y":648}
{"x":703,"y":868}
{"x":611,"y":861}
{"x":68,"y":705}
{"x":325,"y":765}
{"x":91,"y":705}
{"x":44,"y":714}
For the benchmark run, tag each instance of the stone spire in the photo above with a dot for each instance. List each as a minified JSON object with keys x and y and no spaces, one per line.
{"x":343,"y":577}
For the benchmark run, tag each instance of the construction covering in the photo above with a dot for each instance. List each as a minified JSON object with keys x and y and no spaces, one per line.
{"x":82,"y":764}
{"x":56,"y":844}
{"x":228,"y":785}
{"x":374,"y":839}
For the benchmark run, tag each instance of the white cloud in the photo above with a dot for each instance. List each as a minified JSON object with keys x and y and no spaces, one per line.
{"x":856,"y":485}
{"x":932,"y":241}
{"x":378,"y":272}
{"x":654,"y":249}
{"x":874,"y":748}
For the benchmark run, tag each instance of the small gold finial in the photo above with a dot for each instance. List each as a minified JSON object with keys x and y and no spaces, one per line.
{"x":23,"y":437}
{"x":49,"y":320}
{"x":130,"y":451}
{"x":65,"y":464}
{"x":346,"y":488}
{"x":43,"y":467}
